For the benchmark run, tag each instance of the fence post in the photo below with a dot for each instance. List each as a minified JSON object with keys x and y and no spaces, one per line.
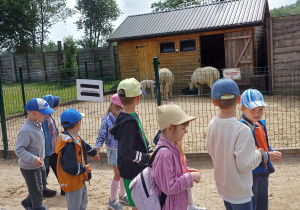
{"x":101,"y":70}
{"x":23,"y":91}
{"x":3,"y":122}
{"x":157,"y":83}
{"x":86,"y":70}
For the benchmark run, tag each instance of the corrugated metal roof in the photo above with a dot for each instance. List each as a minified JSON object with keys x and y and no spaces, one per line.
{"x":209,"y":17}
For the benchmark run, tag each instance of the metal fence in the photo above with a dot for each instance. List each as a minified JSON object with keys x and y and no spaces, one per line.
{"x":279,"y":85}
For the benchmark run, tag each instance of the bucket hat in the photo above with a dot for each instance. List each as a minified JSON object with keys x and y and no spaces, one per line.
{"x":171,"y":115}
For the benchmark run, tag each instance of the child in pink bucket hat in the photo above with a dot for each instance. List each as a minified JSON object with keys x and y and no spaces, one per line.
{"x":112,"y":153}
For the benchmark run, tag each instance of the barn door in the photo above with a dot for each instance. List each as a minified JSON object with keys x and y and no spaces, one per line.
{"x":239,"y":53}
{"x":146,"y":51}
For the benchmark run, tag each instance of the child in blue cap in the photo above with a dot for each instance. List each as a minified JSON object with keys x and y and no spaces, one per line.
{"x":30,"y":149}
{"x":73,"y":169}
{"x":51,"y":136}
{"x":232,"y":149}
{"x":252,"y":106}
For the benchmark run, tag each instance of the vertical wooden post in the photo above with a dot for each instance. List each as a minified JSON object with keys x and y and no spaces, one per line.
{"x":269,"y":51}
{"x":112,"y":61}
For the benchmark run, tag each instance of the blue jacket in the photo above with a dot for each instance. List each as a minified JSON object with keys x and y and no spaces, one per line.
{"x":261,"y":170}
{"x":104,"y":135}
{"x":48,"y":138}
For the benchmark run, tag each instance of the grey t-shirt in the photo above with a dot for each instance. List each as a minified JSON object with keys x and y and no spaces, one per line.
{"x":30,"y":144}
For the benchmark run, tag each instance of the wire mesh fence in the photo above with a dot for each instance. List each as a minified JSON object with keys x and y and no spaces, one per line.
{"x":279,"y":85}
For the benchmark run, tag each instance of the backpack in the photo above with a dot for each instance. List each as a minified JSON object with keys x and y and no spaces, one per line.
{"x":143,"y":189}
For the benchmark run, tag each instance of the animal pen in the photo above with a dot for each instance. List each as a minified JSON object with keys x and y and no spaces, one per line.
{"x":283,"y":120}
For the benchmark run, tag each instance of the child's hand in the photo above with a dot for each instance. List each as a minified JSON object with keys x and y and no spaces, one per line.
{"x":196,"y":176}
{"x":38,"y":162}
{"x":151,"y":154}
{"x":261,"y":150}
{"x":96,"y":157}
{"x":275,"y":156}
{"x":88,"y":168}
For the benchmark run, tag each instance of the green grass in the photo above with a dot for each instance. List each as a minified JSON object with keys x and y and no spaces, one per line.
{"x":12,"y":93}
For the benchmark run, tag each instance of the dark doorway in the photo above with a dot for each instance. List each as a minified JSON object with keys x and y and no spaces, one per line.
{"x":213,"y":51}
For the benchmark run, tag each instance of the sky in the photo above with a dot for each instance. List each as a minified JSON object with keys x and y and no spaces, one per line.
{"x":128,"y":7}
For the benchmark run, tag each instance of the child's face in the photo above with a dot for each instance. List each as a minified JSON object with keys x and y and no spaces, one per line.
{"x":179,"y":132}
{"x":37,"y":116}
{"x":254,"y":114}
{"x":115,"y":110}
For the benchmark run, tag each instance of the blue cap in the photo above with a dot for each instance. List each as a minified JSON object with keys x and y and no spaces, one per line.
{"x":70,"y":115}
{"x":56,"y":101}
{"x":252,"y":98}
{"x":222,"y":86}
{"x":50,"y":100}
{"x":39,"y":104}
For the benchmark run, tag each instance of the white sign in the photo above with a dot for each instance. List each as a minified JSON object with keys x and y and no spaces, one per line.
{"x":89,"y":90}
{"x":233,"y":73}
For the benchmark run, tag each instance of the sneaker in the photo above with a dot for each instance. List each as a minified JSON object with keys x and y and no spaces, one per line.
{"x":195,"y":208}
{"x":114,"y":205}
{"x":62,"y":192}
{"x":123,"y":199}
{"x":47,"y":193}
{"x":27,"y":205}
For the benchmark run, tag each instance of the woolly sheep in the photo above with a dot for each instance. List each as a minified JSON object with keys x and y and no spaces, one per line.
{"x":204,"y":76}
{"x":148,"y":84}
{"x":166,"y":78}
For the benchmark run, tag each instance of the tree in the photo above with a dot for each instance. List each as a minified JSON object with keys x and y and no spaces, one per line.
{"x":95,"y":20}
{"x":24,"y":23}
{"x":69,"y":69}
{"x":176,"y":4}
{"x":291,"y":9}
{"x":51,"y":12}
{"x":18,"y":21}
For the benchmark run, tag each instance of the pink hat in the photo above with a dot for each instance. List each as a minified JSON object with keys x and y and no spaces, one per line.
{"x":116,"y":100}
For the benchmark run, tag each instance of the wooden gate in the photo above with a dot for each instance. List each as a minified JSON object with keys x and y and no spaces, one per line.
{"x":239,"y":53}
{"x":146,"y":51}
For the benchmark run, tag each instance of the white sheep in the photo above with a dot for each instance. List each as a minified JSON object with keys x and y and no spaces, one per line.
{"x":166,"y":78}
{"x":204,"y":76}
{"x":148,"y":84}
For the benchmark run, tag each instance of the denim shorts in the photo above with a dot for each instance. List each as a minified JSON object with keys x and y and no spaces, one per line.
{"x":112,"y":156}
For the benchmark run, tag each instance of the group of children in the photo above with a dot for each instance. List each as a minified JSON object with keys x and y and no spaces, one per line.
{"x":240,"y":151}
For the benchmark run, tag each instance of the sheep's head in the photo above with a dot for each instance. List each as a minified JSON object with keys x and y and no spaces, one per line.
{"x":192,"y":86}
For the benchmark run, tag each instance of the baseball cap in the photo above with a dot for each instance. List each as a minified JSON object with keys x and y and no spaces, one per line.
{"x":39,"y":104}
{"x":131,"y":87}
{"x":222,"y":86}
{"x":56,"y":101}
{"x":171,"y":115}
{"x":70,"y":115}
{"x":252,"y":98}
{"x":116,"y":100}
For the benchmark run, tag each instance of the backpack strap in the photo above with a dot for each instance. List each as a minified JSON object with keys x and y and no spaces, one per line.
{"x":154,"y":154}
{"x":163,"y":196}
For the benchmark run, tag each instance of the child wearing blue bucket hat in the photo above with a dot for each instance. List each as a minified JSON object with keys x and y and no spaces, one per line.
{"x":231,"y":147}
{"x":252,"y":106}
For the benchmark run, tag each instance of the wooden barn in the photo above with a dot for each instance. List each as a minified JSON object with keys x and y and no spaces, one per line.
{"x":226,"y":34}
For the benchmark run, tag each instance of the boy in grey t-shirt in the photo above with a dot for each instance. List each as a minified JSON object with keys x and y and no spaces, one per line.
{"x":30,"y":148}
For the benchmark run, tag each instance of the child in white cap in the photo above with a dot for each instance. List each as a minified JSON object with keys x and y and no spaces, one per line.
{"x":252,"y":106}
{"x":30,"y":149}
{"x":112,"y":152}
{"x":232,"y":149}
{"x":167,"y":169}
{"x":134,"y":150}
